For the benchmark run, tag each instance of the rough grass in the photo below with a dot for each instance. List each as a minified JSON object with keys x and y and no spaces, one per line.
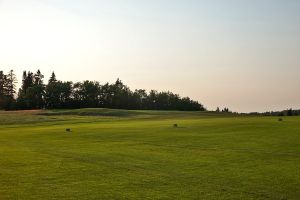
{"x":140,"y":155}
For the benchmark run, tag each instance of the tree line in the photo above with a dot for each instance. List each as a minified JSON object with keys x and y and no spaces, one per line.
{"x":288,"y":112}
{"x":56,"y":94}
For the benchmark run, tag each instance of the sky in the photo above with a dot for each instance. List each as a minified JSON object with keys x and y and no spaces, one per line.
{"x":242,"y":54}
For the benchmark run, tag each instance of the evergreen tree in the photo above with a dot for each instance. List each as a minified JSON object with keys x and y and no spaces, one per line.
{"x":52,"y":93}
{"x":52,"y":78}
{"x":10,"y":85}
{"x":7,"y":90}
{"x":38,"y":90}
{"x":2,"y":82}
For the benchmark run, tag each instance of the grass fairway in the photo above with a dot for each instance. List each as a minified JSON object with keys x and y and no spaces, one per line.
{"x":112,"y":154}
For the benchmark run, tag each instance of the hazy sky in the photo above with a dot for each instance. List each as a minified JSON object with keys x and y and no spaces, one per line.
{"x":236,"y":53}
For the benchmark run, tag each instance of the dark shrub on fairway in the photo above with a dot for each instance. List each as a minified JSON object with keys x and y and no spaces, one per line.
{"x":175,"y":125}
{"x":68,"y":129}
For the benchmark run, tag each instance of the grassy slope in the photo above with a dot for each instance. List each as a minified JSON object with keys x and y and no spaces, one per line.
{"x":138,"y":154}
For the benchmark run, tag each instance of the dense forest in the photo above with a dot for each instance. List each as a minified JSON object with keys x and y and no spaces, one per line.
{"x":35,"y":94}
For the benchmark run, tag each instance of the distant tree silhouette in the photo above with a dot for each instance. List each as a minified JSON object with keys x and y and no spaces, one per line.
{"x":32,"y":91}
{"x":39,"y":90}
{"x":24,"y":100}
{"x":52,"y":78}
{"x":289,"y":112}
{"x":7,"y":90}
{"x":226,"y":110}
{"x":10,"y":84}
{"x":52,"y":93}
{"x":2,"y":83}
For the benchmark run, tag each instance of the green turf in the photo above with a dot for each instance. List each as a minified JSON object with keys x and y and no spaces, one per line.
{"x":113,"y":154}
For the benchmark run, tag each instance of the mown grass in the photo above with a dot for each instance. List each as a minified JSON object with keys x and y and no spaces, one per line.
{"x":140,"y":155}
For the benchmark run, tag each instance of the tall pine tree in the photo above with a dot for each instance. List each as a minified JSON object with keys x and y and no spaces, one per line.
{"x":7,"y":90}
